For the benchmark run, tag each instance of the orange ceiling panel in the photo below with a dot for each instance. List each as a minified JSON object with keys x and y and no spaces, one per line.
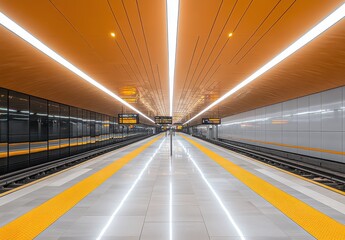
{"x":80,"y":32}
{"x":209,"y":63}
{"x":134,"y":63}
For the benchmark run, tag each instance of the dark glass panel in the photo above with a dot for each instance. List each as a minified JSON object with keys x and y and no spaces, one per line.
{"x":64,"y":131}
{"x":80,"y":130}
{"x":98,"y":129}
{"x":111,"y":129}
{"x":92,"y":129}
{"x":86,"y":129}
{"x":3,"y":130}
{"x":73,"y":130}
{"x":18,"y":131}
{"x":38,"y":131}
{"x":53,"y":130}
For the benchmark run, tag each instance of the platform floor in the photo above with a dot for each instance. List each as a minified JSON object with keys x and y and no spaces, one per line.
{"x":153,"y":196}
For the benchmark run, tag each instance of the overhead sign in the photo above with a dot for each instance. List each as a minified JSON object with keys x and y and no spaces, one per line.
{"x":179,"y":127}
{"x":215,"y":121}
{"x":163,"y":120}
{"x":130,"y":118}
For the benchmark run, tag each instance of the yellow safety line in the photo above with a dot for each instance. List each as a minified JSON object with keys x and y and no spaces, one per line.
{"x":31,"y":224}
{"x":313,"y":221}
{"x":287,"y":172}
{"x":44,"y":178}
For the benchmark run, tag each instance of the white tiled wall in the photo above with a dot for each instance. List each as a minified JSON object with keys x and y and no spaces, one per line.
{"x":315,"y":121}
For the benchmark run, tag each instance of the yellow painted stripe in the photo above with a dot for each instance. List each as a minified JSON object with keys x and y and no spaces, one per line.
{"x":44,"y":178}
{"x":313,"y":221}
{"x":287,"y":172}
{"x":295,"y":175}
{"x":31,"y":224}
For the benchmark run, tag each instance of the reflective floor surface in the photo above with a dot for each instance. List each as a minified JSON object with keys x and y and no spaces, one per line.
{"x":184,"y":197}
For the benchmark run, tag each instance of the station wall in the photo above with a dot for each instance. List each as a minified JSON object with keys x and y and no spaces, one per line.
{"x":313,"y":125}
{"x":35,"y":130}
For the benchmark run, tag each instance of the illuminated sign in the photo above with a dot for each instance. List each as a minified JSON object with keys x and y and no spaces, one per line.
{"x":128,"y":118}
{"x":211,"y":121}
{"x":163,"y":120}
{"x":179,"y":127}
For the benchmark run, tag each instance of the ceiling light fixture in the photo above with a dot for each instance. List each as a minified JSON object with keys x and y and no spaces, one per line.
{"x":172,"y":18}
{"x":22,"y":33}
{"x":230,"y":34}
{"x":112,"y":34}
{"x":329,"y":21}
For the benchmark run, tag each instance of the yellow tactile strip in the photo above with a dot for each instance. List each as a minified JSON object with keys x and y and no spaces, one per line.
{"x":313,"y":221}
{"x":31,"y":224}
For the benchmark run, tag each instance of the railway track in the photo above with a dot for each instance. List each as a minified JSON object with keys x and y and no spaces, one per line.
{"x":318,"y":174}
{"x":19,"y":178}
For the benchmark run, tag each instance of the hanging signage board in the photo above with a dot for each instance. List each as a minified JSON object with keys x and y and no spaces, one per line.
{"x":128,"y":118}
{"x":215,"y":121}
{"x":163,"y":120}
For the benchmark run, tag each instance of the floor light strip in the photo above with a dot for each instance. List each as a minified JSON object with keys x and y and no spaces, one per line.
{"x":329,"y":21}
{"x":128,"y":193}
{"x":228,"y":214}
{"x":22,"y":33}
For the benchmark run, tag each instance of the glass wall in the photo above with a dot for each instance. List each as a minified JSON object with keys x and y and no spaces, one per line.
{"x":18,"y":131}
{"x":38,"y":130}
{"x":34,"y":131}
{"x":64,"y":131}
{"x":54,"y":130}
{"x":3,"y":131}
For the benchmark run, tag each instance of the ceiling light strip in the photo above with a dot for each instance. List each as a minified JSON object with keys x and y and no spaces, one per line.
{"x":22,"y":33}
{"x":329,"y":21}
{"x":172,"y":18}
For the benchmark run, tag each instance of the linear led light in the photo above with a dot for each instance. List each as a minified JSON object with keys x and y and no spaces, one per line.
{"x":329,"y":21}
{"x":22,"y":33}
{"x":226,"y":211}
{"x":122,"y":202}
{"x":172,"y":18}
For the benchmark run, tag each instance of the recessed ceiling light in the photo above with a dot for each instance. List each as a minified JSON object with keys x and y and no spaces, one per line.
{"x":230,"y":34}
{"x":22,"y":33}
{"x":112,"y":34}
{"x":328,"y":22}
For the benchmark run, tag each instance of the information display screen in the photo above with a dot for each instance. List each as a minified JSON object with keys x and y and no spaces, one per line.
{"x":163,"y":120}
{"x":130,"y":118}
{"x":179,"y":127}
{"x":215,"y":121}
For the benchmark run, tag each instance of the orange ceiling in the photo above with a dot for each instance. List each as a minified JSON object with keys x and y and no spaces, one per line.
{"x":134,"y":63}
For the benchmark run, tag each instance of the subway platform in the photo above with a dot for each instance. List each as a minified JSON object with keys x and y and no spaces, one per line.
{"x":201,"y":192}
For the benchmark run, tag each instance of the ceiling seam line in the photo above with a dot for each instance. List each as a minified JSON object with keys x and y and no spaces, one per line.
{"x":189,"y":67}
{"x":212,"y":65}
{"x":136,"y":43}
{"x":75,"y":29}
{"x":126,"y":42}
{"x":203,"y":50}
{"x":245,"y":12}
{"x":281,"y":16}
{"x":142,"y":61}
{"x":214,"y":73}
{"x":226,"y":22}
{"x":262,"y":22}
{"x":148,"y":53}
{"x":135,"y":76}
